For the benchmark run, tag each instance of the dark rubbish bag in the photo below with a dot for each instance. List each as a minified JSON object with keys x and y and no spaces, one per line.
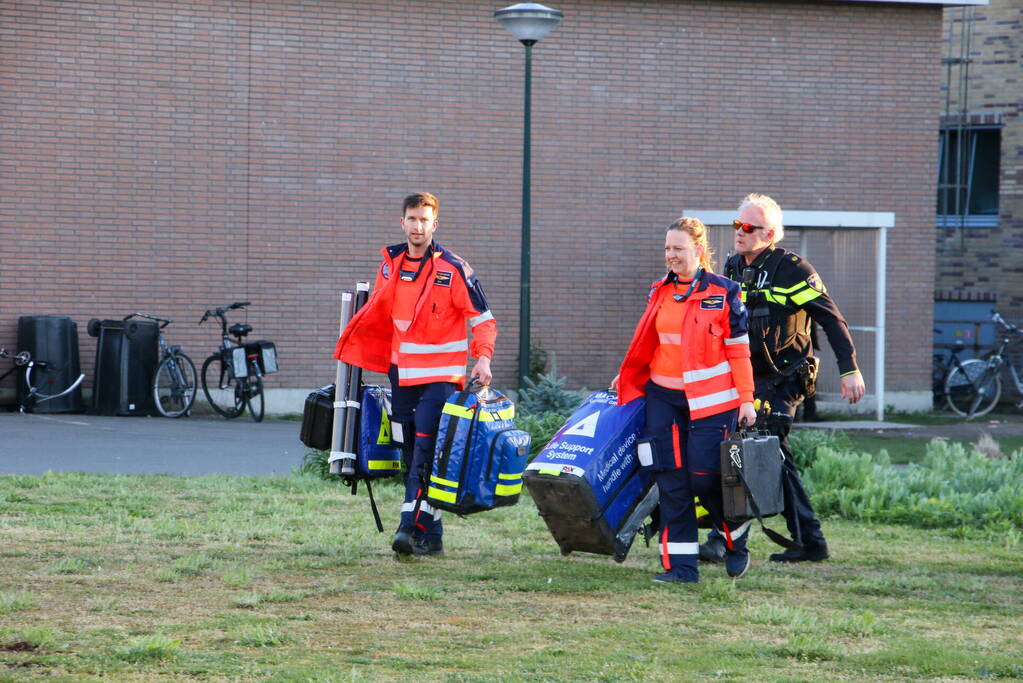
{"x":587,"y":482}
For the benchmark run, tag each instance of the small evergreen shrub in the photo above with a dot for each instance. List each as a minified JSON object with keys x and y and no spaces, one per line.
{"x":541,"y":427}
{"x":548,"y":395}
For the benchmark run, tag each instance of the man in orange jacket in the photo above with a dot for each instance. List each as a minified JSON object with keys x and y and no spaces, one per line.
{"x":413,"y":327}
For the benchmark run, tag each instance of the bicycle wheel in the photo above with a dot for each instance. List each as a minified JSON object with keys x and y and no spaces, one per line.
{"x":220,"y":387}
{"x":971,"y":391}
{"x":174,"y":385}
{"x":254,"y":398}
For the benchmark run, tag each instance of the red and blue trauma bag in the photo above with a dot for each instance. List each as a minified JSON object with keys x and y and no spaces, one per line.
{"x":377,"y":455}
{"x":587,"y":482}
{"x":480,"y":455}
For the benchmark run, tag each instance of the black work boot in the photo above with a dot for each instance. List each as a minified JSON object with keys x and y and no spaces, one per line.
{"x":713,"y":550}
{"x":403,"y":543}
{"x":428,"y":546}
{"x":817,"y":552}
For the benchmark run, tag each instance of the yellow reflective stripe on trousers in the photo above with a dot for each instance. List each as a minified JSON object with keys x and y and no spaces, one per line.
{"x":502,"y":475}
{"x":384,"y":464}
{"x":442,"y":495}
{"x":462,"y":411}
{"x":434,"y":479}
{"x":508,"y":489}
{"x":808,"y":295}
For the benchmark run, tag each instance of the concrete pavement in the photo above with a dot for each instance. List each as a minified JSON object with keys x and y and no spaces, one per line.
{"x":34,"y":444}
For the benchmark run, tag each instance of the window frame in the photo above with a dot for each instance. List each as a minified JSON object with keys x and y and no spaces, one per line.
{"x":965,"y":218}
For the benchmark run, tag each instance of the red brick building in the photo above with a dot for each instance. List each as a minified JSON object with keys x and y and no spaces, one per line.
{"x":168,"y":157}
{"x":980,"y":236}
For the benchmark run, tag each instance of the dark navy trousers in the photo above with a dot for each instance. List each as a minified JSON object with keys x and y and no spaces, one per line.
{"x":417,"y":409}
{"x":686,"y":463}
{"x":804,"y":527}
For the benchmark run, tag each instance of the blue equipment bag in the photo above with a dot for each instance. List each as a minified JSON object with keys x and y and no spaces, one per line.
{"x":479,"y":456}
{"x":377,"y":455}
{"x":587,"y":482}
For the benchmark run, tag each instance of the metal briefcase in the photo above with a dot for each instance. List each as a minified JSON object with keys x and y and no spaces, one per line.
{"x":751,"y":476}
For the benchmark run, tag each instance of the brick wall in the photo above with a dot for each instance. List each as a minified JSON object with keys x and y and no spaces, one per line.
{"x":168,"y":157}
{"x":975,"y":260}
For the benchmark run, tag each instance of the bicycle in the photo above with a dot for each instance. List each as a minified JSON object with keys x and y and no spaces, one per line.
{"x":941,"y":369}
{"x":232,"y":377}
{"x":974,"y":388}
{"x":175,"y":381}
{"x":34,"y":396}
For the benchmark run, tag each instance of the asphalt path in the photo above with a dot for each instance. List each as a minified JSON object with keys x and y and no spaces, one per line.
{"x":34,"y":444}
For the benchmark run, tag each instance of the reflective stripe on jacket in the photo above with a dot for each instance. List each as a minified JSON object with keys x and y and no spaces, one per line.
{"x":716,"y":373}
{"x":434,"y":347}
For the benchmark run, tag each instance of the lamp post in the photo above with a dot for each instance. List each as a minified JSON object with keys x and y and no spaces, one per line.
{"x":528,"y":22}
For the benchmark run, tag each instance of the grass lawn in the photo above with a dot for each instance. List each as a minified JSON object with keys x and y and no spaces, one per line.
{"x":157,"y":578}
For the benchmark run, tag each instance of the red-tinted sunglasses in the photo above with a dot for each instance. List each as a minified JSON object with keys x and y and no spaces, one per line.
{"x":746,"y":227}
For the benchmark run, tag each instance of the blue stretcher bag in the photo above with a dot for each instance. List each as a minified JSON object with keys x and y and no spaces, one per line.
{"x":377,"y":456}
{"x":480,"y":455}
{"x":587,"y":482}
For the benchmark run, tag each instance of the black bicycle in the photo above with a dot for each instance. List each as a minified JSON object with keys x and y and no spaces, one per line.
{"x":232,"y":377}
{"x":942,"y":365}
{"x":175,"y":381}
{"x":34,"y":395}
{"x":974,"y":388}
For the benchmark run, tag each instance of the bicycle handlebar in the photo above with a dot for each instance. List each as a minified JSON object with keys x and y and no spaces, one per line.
{"x":219,"y":313}
{"x":997,"y":317}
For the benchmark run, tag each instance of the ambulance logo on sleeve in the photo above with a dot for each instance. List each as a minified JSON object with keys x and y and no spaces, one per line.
{"x":585,"y":427}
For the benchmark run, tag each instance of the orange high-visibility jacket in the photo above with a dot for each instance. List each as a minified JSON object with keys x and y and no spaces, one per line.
{"x":434,"y":347}
{"x":716,"y":371}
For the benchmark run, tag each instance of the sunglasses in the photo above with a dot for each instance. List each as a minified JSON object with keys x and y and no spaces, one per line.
{"x":746,"y":227}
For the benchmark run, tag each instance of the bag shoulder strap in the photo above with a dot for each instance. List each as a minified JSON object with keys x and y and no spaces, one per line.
{"x":770,"y":533}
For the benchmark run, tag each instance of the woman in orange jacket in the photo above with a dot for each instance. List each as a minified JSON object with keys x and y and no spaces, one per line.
{"x":689,"y":357}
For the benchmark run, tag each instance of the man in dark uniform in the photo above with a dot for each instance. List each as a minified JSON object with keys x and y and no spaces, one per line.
{"x":785,"y":296}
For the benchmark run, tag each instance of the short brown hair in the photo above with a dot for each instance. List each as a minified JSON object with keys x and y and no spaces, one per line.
{"x":414,"y":201}
{"x":697,"y":231}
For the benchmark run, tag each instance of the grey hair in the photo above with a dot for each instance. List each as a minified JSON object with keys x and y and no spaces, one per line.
{"x":770,"y":209}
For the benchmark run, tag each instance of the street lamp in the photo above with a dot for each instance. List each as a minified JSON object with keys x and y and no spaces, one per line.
{"x":528,"y":22}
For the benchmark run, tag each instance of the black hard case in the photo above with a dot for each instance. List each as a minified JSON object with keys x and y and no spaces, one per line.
{"x":318,"y":418}
{"x":758,"y":459}
{"x":575,"y":519}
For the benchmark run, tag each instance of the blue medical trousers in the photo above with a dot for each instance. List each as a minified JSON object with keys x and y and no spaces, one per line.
{"x":418,"y":409}
{"x":686,"y":463}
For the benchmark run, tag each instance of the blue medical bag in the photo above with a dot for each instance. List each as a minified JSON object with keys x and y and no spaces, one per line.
{"x":377,"y":456}
{"x":587,"y":482}
{"x":479,"y":456}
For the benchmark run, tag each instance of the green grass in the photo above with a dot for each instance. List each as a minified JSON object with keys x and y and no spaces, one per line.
{"x":139,"y":578}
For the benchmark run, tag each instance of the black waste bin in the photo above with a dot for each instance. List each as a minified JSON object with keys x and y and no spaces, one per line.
{"x":52,"y":339}
{"x":127,"y":354}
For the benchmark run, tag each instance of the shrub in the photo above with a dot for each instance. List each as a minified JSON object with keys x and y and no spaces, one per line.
{"x":804,"y":444}
{"x":541,"y":427}
{"x":547,"y":394}
{"x":315,"y":463}
{"x":952,"y":487}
